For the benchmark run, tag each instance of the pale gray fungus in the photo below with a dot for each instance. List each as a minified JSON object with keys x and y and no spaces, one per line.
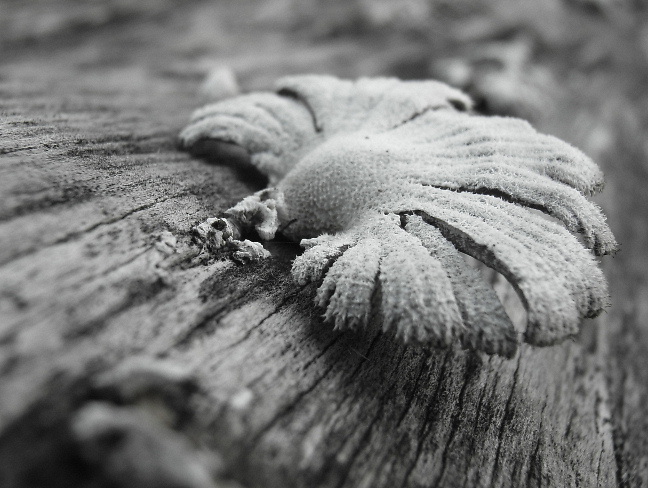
{"x":385,"y":182}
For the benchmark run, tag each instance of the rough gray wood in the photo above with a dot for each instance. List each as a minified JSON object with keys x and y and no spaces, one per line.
{"x":118,"y":345}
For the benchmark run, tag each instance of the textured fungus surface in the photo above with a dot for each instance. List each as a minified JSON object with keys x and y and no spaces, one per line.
{"x":385,"y":181}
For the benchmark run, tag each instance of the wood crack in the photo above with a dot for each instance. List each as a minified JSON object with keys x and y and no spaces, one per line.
{"x":475,"y":431}
{"x":410,"y":399}
{"x":13,"y":150}
{"x":362,"y":442}
{"x":426,"y":423}
{"x":233,"y":303}
{"x":598,"y":466}
{"x":456,"y":420}
{"x":535,"y":462}
{"x":293,"y":404}
{"x":505,"y":419}
{"x":73,"y":235}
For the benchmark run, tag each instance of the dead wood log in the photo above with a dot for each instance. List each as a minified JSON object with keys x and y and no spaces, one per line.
{"x":125,"y":360}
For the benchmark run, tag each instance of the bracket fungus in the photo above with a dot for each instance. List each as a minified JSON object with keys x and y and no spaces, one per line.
{"x":386,"y":182}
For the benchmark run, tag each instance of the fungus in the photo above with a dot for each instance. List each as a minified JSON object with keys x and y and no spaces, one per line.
{"x":386,"y":182}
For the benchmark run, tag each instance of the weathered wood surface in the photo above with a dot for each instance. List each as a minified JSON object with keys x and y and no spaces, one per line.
{"x":97,"y":268}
